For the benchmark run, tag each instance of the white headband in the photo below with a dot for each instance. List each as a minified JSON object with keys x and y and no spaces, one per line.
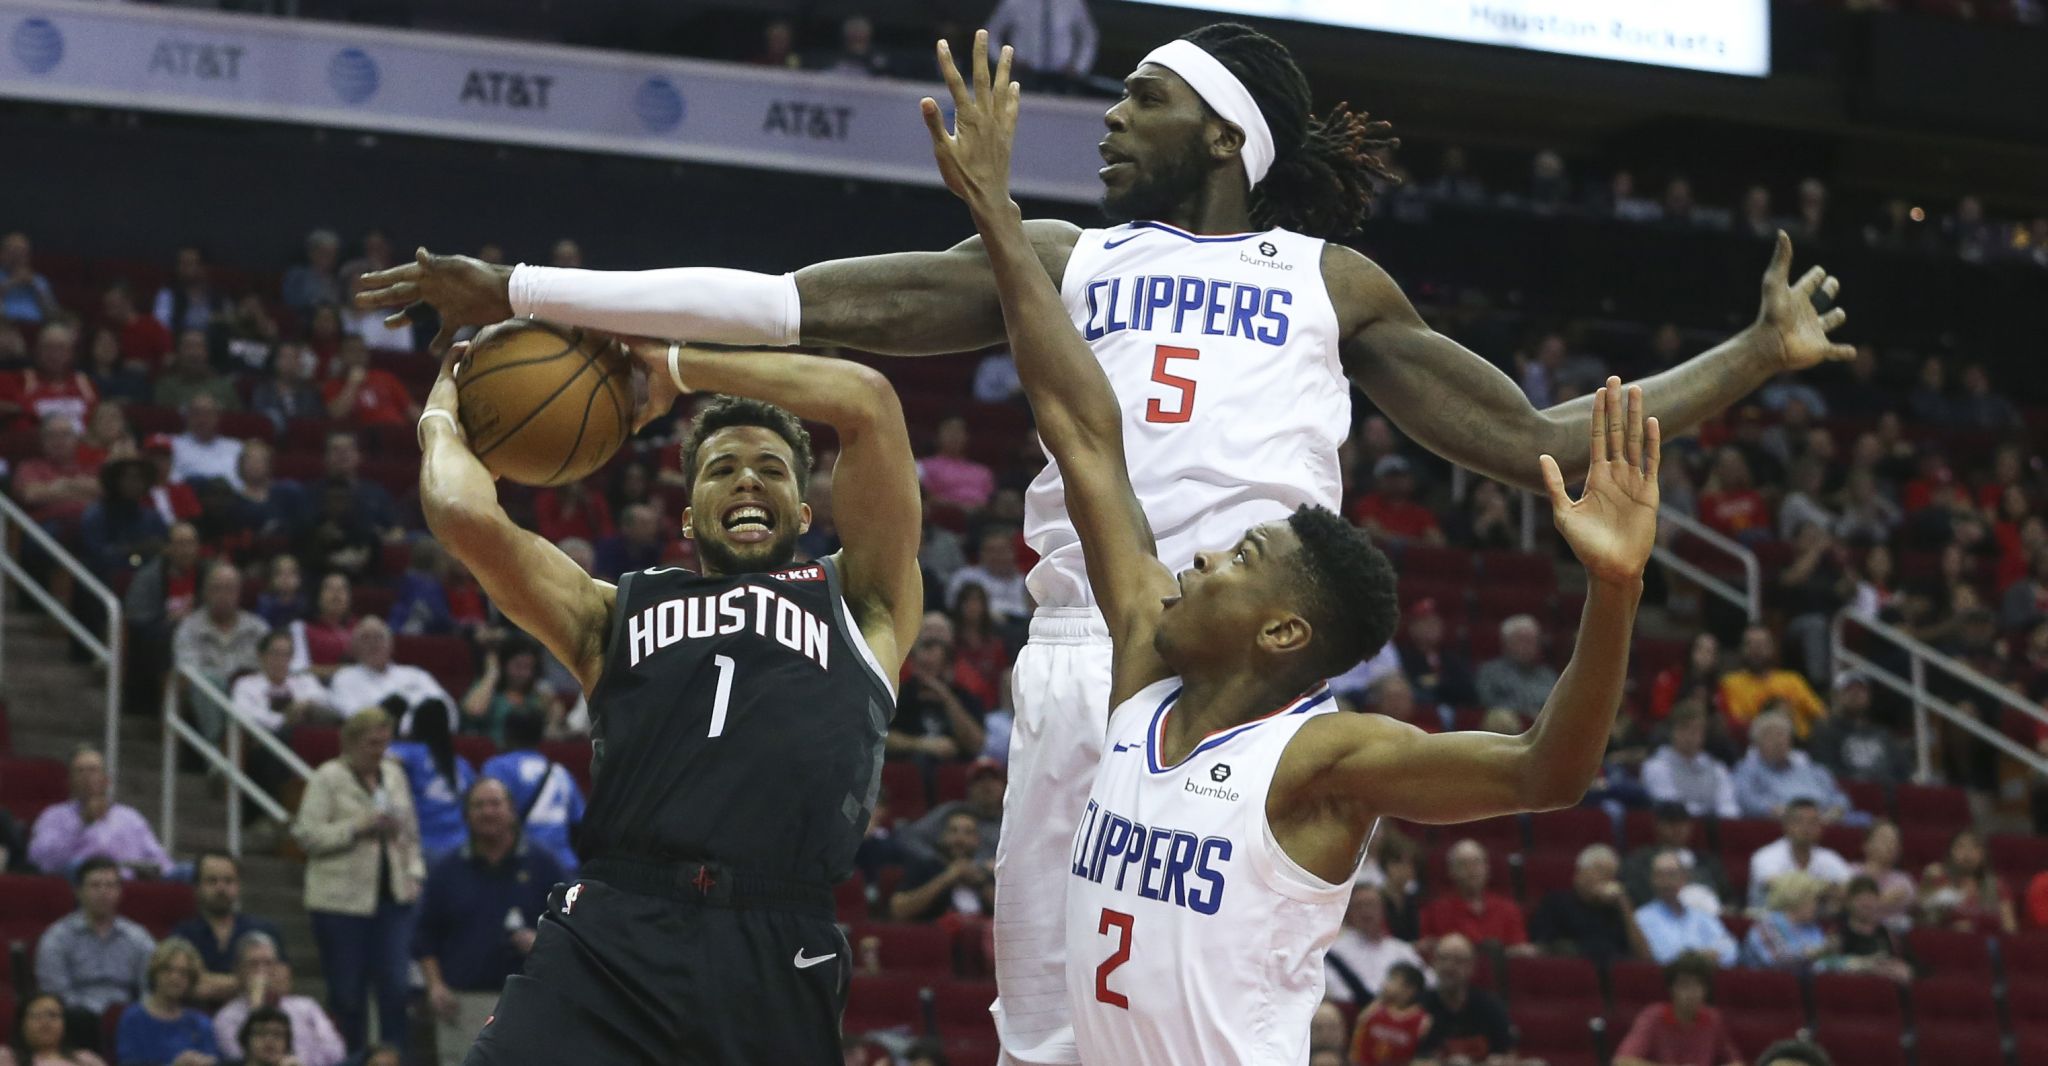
{"x":1226,"y":95}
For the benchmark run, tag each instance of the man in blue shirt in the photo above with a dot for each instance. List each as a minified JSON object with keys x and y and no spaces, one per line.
{"x":541,"y":788}
{"x":25,"y":296}
{"x":1671,"y":928}
{"x":477,"y":917}
{"x":1774,"y":774}
{"x":217,"y":929}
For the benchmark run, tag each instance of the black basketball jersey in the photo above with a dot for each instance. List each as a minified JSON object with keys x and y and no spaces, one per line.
{"x":738,"y":720}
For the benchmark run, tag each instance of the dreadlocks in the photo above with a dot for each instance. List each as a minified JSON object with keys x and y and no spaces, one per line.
{"x":1323,"y":178}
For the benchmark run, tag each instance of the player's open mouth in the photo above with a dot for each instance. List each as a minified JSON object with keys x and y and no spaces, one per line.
{"x":749,"y":523}
{"x":1112,"y":161}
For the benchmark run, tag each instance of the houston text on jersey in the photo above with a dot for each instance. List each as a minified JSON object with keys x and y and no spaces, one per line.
{"x":758,"y":608}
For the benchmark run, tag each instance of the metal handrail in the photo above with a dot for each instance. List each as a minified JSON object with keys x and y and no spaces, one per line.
{"x":1920,"y":657}
{"x":1750,"y":597}
{"x":228,"y":762}
{"x":107,"y":651}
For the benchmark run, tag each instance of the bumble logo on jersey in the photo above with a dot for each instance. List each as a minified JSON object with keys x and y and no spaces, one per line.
{"x":1168,"y":865}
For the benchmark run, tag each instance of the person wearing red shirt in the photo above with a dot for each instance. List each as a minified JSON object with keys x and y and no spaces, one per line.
{"x":364,"y":395}
{"x":53,"y":387}
{"x":1389,"y":511}
{"x":1683,"y":1032}
{"x":1730,"y":505}
{"x":144,"y":340}
{"x":1390,"y":1031}
{"x":572,"y":511}
{"x":58,"y":485}
{"x":174,"y":501}
{"x":1469,"y":910}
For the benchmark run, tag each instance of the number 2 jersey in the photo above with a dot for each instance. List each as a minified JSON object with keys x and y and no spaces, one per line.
{"x":1191,"y":936}
{"x":739,"y":720}
{"x":1223,"y":351}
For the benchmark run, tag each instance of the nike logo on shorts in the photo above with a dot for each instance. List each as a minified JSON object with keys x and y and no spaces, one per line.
{"x":803,"y":963}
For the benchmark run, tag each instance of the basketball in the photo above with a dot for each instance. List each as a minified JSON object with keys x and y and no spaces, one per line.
{"x":544,"y":404}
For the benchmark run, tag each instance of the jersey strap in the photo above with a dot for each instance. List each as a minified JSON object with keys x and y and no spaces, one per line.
{"x":843,"y":616}
{"x":1155,"y":737}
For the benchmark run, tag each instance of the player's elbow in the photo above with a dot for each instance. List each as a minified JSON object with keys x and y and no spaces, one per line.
{"x":866,"y":399}
{"x":1543,"y":785}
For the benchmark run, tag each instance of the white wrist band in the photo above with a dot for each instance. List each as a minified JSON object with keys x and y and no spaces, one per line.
{"x":438,"y":412}
{"x":675,"y":369}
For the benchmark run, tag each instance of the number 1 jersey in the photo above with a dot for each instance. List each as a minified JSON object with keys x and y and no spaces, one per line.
{"x":1223,"y":353}
{"x":739,"y":720}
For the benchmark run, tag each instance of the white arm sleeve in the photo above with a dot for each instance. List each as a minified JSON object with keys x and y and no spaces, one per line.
{"x":709,"y":304}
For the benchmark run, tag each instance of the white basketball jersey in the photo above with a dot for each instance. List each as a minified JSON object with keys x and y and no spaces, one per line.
{"x":1222,"y":351}
{"x":1191,"y":936}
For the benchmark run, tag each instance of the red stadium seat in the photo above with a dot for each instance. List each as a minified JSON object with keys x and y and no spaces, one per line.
{"x":247,"y":425}
{"x":375,"y":601}
{"x":158,"y":905}
{"x":1942,"y":1045}
{"x":882,"y":1001}
{"x":850,"y":899}
{"x":1857,"y":999}
{"x":949,"y":782}
{"x":474,"y":748}
{"x":7,"y":1009}
{"x":1555,"y":1036}
{"x":1921,"y":846}
{"x":2017,"y":855}
{"x":1760,"y":994}
{"x":1846,"y":839}
{"x":1861,"y":1045}
{"x":1571,"y":829}
{"x":1638,"y":830}
{"x":1498,"y":567}
{"x":29,"y":785}
{"x":2025,"y":955}
{"x":1966,"y":1001}
{"x":903,"y":947}
{"x":1559,"y":985}
{"x":962,"y":1006}
{"x":975,"y":1049}
{"x":1942,"y":807}
{"x":1503,"y":834}
{"x":316,"y":743}
{"x":1754,"y":1032}
{"x":903,"y":788}
{"x":1868,"y":796}
{"x":447,"y":658}
{"x":1948,"y":952}
{"x":1544,"y":872}
{"x":1744,"y":836}
{"x":2030,"y":1044}
{"x":1428,"y":563}
{"x":2026,"y":1000}
{"x":574,"y":755}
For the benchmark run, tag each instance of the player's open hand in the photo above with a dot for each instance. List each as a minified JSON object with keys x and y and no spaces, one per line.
{"x":464,"y":291}
{"x":1789,"y":318}
{"x":1613,"y":524}
{"x":975,"y":158}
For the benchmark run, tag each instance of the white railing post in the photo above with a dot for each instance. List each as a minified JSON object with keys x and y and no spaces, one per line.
{"x":1923,"y":730}
{"x":108,"y":650}
{"x":1927,"y":705}
{"x":234,"y":795}
{"x":1749,"y":597}
{"x":169,"y":829}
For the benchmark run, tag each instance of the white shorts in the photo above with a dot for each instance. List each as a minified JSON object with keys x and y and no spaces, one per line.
{"x":1060,"y":686}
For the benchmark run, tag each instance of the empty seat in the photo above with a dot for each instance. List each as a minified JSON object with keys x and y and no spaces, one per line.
{"x":1943,"y":807}
{"x":158,"y":905}
{"x":1744,"y":836}
{"x":1561,"y":985}
{"x":1858,"y":999}
{"x":2030,"y":1043}
{"x":1949,"y":951}
{"x":29,"y":785}
{"x":1868,"y":796}
{"x":1571,"y":829}
{"x":879,"y":1001}
{"x":1554,"y":1036}
{"x":316,"y":743}
{"x":963,"y":1005}
{"x":449,"y":659}
{"x":475,"y":748}
{"x":574,"y":755}
{"x":1760,"y":993}
{"x":1547,"y":871}
{"x":949,"y":782}
{"x":1954,"y":1001}
{"x":2025,"y":956}
{"x":1949,"y":1044}
{"x":1754,"y":1032}
{"x":850,"y":899}
{"x":2017,"y":855}
{"x":1638,"y":829}
{"x":903,"y":947}
{"x":903,"y":790}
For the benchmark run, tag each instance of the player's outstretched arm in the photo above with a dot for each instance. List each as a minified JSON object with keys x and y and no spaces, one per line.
{"x":540,"y":589}
{"x":1390,"y":768}
{"x":1463,"y":408}
{"x":1078,"y":417}
{"x":874,"y":488}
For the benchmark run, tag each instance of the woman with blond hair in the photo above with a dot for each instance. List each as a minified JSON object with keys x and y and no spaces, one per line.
{"x":363,"y":872}
{"x":1789,"y":935}
{"x":160,"y":1030}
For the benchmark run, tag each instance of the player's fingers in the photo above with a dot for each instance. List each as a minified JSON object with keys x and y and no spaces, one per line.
{"x":396,"y":294}
{"x":1003,"y":66}
{"x":1632,"y":428}
{"x":1599,"y":421}
{"x":1781,"y":261}
{"x":1553,"y":483}
{"x":1013,"y":102}
{"x":1832,"y":286}
{"x":951,"y":72}
{"x":1809,"y":281}
{"x":1616,"y":406}
{"x":378,"y":279}
{"x":1655,"y":443}
{"x":1842,"y":353}
{"x":443,"y":337}
{"x":1833,"y":320}
{"x":980,"y":65}
{"x":934,"y":121}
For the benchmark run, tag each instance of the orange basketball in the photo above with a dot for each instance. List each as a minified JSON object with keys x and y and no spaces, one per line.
{"x":544,"y":404}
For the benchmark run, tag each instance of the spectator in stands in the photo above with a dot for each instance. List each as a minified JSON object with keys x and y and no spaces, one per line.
{"x":935,"y":717}
{"x":61,"y":484}
{"x":363,"y":872}
{"x":1705,"y":884}
{"x":90,"y":825}
{"x":121,"y":532}
{"x":144,"y":341}
{"x":1963,"y":892}
{"x":1437,"y":674}
{"x":41,"y":1037}
{"x":191,"y":374}
{"x":158,"y":1029}
{"x":1697,"y":680}
{"x":263,"y":989}
{"x":857,"y":53}
{"x":1896,"y":890}
{"x":544,"y":794}
{"x":374,"y":678}
{"x":216,"y":930}
{"x":164,"y":592}
{"x":1815,"y":585}
{"x":1391,"y":1030}
{"x":1774,"y":774}
{"x":287,"y":392}
{"x":438,"y":776}
{"x":1745,"y":692}
{"x":1730,"y":503}
{"x":1799,"y":851}
{"x":1466,"y":1024}
{"x":636,"y":546}
{"x":1468,"y":909}
{"x":93,"y":958}
{"x":1519,"y":680}
{"x":2025,"y":603}
{"x":25,"y":296}
{"x":778,"y":46}
{"x":344,"y":462}
{"x":364,"y":395}
{"x":478,"y":917}
{"x":324,"y":333}
{"x":220,"y":641}
{"x":315,"y":281}
{"x":1851,"y":745}
{"x":980,"y":654}
{"x":1488,"y":523}
{"x":954,"y":882}
{"x":1981,"y":409}
{"x":1397,"y":858}
{"x":1867,"y":514}
{"x":269,"y":506}
{"x":321,"y":643}
{"x":1054,"y":39}
{"x":572,"y":510}
{"x":246,"y":334}
{"x":949,"y":475}
{"x":995,"y":570}
{"x":174,"y":501}
{"x":1789,"y":935}
{"x":509,"y":684}
{"x":188,"y":302}
{"x":1865,"y":944}
{"x":1672,"y":926}
{"x":1389,"y":512}
{"x":1683,"y":1032}
{"x":986,"y":783}
{"x":335,"y":536}
{"x":112,"y":375}
{"x":54,"y":386}
{"x":267,"y":1033}
{"x":939,"y":553}
{"x":1326,"y":1029}
{"x":421,"y":607}
{"x":1591,"y":919}
{"x":1356,"y":968}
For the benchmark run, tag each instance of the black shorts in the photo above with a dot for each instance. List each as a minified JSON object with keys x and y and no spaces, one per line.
{"x":625,"y":977}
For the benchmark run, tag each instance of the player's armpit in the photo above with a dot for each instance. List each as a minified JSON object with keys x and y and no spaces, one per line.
{"x":1386,"y":768}
{"x":919,"y":303}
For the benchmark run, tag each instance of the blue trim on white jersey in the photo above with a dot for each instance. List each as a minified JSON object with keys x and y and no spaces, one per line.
{"x":1155,"y":737}
{"x":1198,"y":238}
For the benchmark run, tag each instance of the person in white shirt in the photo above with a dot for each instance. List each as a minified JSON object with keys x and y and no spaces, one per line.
{"x":1364,"y":950}
{"x":275,"y":696}
{"x":1053,"y":38}
{"x":995,"y":570}
{"x":1682,"y":772}
{"x":201,"y":452}
{"x":1799,"y":849}
{"x":374,"y":678}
